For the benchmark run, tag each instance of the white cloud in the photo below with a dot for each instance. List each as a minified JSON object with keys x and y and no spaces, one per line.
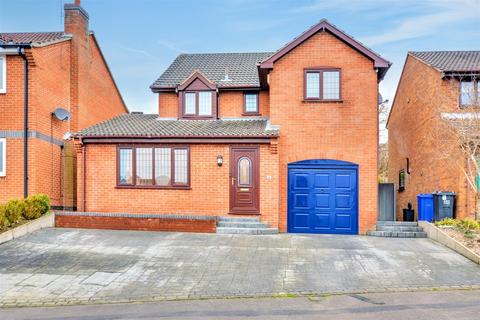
{"x":414,"y":18}
{"x":171,"y":46}
{"x":139,"y":51}
{"x":427,"y":24}
{"x":256,"y":25}
{"x":344,"y":5}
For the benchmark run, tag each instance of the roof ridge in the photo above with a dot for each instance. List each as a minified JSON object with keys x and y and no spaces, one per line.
{"x":212,"y":53}
{"x":23,"y":32}
{"x":434,"y":51}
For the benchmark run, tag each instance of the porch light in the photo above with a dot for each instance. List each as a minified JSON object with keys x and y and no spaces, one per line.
{"x":219,"y":160}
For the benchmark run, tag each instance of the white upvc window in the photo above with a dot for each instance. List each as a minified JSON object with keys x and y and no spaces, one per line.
{"x":3,"y":157}
{"x":3,"y":74}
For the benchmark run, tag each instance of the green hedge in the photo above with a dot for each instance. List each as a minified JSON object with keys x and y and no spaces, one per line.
{"x":14,"y":211}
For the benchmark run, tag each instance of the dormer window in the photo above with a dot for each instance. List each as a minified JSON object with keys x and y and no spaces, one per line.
{"x":198,"y":103}
{"x":197,"y":98}
{"x":322,"y":84}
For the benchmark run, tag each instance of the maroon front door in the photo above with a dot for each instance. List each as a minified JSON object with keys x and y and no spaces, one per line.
{"x":244,"y":186}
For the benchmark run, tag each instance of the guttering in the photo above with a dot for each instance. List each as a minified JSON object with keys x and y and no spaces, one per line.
{"x":232,"y":88}
{"x":176,"y":139}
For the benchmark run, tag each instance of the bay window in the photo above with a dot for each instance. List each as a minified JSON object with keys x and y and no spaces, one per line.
{"x":153,"y":167}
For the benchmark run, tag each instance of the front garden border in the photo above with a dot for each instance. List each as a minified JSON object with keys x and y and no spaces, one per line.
{"x":438,"y":235}
{"x":45,"y":221}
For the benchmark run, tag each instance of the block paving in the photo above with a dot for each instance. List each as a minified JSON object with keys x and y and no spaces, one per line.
{"x":77,"y":266}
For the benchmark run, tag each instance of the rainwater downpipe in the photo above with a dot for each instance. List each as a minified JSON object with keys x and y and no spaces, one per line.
{"x":21,"y":52}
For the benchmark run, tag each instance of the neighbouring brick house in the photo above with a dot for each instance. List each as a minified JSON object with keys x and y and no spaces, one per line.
{"x":62,"y":70}
{"x":432,"y":84}
{"x":289,"y":136}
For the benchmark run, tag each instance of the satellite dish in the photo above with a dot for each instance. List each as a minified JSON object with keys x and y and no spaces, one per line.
{"x":61,"y":114}
{"x":380,"y":98}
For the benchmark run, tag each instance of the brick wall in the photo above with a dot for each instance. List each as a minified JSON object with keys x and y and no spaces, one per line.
{"x":168,"y":105}
{"x":414,"y":132}
{"x":11,"y":119}
{"x":230,"y":104}
{"x":318,"y":130}
{"x":72,"y":75}
{"x":137,"y":223}
{"x":99,"y":98}
{"x":208,"y":196}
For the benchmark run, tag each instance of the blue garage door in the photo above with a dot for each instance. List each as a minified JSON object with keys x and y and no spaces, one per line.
{"x":322,"y":197}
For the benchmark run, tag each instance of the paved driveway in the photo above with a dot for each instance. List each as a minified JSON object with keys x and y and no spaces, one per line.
{"x":72,"y":265}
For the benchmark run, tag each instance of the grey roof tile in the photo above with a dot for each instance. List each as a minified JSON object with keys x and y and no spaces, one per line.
{"x":241,"y":69}
{"x":451,"y":61}
{"x":34,"y":38}
{"x":150,"y":125}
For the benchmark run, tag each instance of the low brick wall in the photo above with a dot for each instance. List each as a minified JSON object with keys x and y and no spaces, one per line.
{"x":46,"y":221}
{"x":145,"y":222}
{"x":438,"y":235}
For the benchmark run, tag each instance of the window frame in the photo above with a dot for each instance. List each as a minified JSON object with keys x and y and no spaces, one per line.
{"x":251,"y":113}
{"x":4,"y":159}
{"x":172,"y":185}
{"x":401,"y":180}
{"x":476,"y":93}
{"x":320,"y":71}
{"x":4,"y":73}
{"x":196,"y":115}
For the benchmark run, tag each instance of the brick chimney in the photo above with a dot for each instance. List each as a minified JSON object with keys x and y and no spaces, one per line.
{"x":76,"y":24}
{"x":76,"y":20}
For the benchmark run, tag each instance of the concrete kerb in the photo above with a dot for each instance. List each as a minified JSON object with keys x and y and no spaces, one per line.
{"x":45,"y":221}
{"x":438,"y":235}
{"x":99,"y":301}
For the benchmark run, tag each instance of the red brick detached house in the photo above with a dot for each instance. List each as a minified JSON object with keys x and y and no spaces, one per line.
{"x":39,"y":73}
{"x":289,"y":137}
{"x":432,"y":84}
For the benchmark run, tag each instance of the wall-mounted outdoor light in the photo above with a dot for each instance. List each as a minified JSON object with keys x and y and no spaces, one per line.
{"x":219,"y":160}
{"x":408,"y":165}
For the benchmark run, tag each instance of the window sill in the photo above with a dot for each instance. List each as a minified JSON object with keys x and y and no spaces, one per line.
{"x":251,"y":114}
{"x":247,"y":213}
{"x":184,"y":117}
{"x":322,"y":101}
{"x":155,"y":187}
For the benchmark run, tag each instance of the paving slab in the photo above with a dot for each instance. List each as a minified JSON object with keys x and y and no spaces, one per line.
{"x":69,"y":266}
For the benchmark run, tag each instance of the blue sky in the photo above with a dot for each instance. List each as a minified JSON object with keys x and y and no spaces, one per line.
{"x":140,"y":38}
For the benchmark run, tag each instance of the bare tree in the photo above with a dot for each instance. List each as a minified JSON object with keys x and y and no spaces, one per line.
{"x":383,"y":163}
{"x":383,"y":111}
{"x":458,"y":133}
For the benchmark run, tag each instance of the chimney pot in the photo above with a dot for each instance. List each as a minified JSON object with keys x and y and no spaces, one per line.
{"x":77,"y":3}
